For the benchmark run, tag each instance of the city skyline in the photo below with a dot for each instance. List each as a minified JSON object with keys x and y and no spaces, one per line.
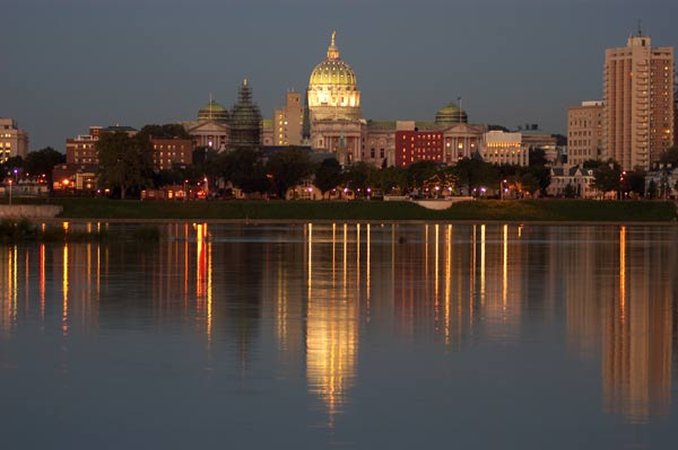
{"x":512,"y":64}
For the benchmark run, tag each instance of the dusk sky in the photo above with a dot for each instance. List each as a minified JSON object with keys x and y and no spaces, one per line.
{"x":69,"y":64}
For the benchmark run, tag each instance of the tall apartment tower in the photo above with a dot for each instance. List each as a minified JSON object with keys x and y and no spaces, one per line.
{"x":288,"y":121}
{"x":584,"y":132}
{"x":638,"y":104}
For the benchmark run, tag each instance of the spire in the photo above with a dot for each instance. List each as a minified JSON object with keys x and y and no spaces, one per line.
{"x":332,"y":50}
{"x":244,"y":94}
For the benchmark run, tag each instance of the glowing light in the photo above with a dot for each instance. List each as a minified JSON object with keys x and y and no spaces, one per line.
{"x":64,"y":287}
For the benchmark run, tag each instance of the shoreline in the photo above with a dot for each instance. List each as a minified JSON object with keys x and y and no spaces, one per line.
{"x":81,"y":220}
{"x":545,"y":211}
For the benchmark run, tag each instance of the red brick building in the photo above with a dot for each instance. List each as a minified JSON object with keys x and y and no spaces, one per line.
{"x":415,"y":145}
{"x":170,"y":152}
{"x":82,"y":149}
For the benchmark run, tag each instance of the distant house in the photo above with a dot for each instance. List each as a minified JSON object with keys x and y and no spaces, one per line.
{"x":661,"y":182}
{"x":580,"y":180}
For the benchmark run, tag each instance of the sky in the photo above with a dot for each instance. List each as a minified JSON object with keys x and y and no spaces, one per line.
{"x":69,"y":64}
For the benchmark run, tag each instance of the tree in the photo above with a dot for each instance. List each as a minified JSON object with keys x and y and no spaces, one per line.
{"x":358,"y":176}
{"x":288,"y":168}
{"x":537,"y":157}
{"x":607,"y":176}
{"x":474,"y":173}
{"x":529,"y":182}
{"x":634,"y":181}
{"x":590,"y":164}
{"x":652,"y":189}
{"x":124,"y":161}
{"x":670,"y":156}
{"x":244,"y":168}
{"x":328,"y":175}
{"x":42,"y":162}
{"x":166,"y":131}
{"x":393,"y":179}
{"x":15,"y":162}
{"x":419,"y":172}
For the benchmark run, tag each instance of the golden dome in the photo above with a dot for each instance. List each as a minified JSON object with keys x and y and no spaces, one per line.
{"x":333,"y":71}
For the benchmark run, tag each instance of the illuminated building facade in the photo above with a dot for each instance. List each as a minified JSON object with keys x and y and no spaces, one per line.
{"x":415,"y":145}
{"x":584,"y":132}
{"x":500,"y":147}
{"x":13,"y":140}
{"x":336,"y":123}
{"x":638,"y":104}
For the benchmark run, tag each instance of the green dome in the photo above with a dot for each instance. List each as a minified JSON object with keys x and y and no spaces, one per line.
{"x":451,"y":114}
{"x":213,"y":111}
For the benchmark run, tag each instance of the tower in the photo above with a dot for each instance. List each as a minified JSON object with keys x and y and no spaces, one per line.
{"x":245,"y":120}
{"x":638,"y":104}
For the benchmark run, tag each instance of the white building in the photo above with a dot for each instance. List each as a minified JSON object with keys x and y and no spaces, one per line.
{"x":500,"y":147}
{"x":13,"y":141}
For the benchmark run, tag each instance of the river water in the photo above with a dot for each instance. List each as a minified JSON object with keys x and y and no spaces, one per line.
{"x":358,"y":336}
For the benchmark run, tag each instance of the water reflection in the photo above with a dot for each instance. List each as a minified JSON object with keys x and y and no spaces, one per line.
{"x":318,"y":292}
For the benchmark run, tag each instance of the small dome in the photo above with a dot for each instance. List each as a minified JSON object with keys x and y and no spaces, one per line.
{"x":451,"y":114}
{"x":213,"y":111}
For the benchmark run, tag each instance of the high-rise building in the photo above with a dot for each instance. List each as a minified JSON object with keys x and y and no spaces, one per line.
{"x":638,"y":103}
{"x":584,"y":132}
{"x":288,"y":121}
{"x":13,"y":141}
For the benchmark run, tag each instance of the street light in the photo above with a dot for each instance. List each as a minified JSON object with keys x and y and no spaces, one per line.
{"x":10,"y":191}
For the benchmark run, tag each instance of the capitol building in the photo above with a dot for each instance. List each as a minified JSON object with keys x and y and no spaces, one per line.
{"x":336,"y":123}
{"x":329,"y":119}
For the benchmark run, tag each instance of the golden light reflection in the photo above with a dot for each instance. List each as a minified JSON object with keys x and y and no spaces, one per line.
{"x":637,"y":341}
{"x":357,"y":260}
{"x":482,"y":264}
{"x":334,"y":255}
{"x":448,"y":284}
{"x":9,"y":304}
{"x":64,"y":288}
{"x":209,"y":291}
{"x":331,"y":348}
{"x":436,"y":286}
{"x":345,"y":261}
{"x":41,"y":281}
{"x":622,"y":272}
{"x":504,"y":284}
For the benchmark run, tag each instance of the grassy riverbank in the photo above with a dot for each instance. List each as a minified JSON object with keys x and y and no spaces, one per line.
{"x":512,"y":210}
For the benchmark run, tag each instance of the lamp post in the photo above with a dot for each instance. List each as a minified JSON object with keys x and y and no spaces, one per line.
{"x":10,"y":191}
